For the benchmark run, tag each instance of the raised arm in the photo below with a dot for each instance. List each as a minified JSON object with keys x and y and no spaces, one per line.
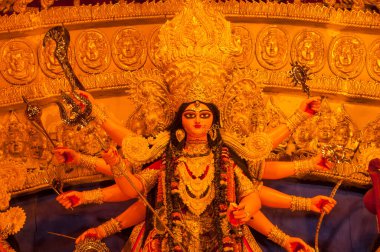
{"x":116,"y":131}
{"x":306,"y":110}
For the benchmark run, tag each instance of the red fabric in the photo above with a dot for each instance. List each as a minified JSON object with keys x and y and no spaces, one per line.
{"x":141,"y":233}
{"x":373,"y":169}
{"x":369,"y":201}
{"x":246,"y":245}
{"x":156,"y":165}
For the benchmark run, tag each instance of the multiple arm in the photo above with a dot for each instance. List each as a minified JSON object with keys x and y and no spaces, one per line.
{"x":112,"y":164}
{"x":306,"y":110}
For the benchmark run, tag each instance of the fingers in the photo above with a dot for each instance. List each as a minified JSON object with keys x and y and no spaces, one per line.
{"x":311,"y":105}
{"x":69,"y":199}
{"x":241,"y":214}
{"x":298,"y":245}
{"x":64,"y":155}
{"x":323,"y":163}
{"x":111,"y":156}
{"x":324,"y":204}
{"x":91,"y":233}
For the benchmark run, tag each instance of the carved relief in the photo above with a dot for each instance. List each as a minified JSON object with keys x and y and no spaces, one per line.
{"x":373,"y":60}
{"x":49,"y":63}
{"x":150,"y":118}
{"x":129,"y":50}
{"x":243,"y":106}
{"x":19,"y":63}
{"x":243,"y":36}
{"x":19,"y":6}
{"x":46,"y":3}
{"x":371,"y":135}
{"x":308,"y":50}
{"x":346,"y":56}
{"x":272,"y":48}
{"x":153,"y":46}
{"x":92,"y":52}
{"x":345,"y":135}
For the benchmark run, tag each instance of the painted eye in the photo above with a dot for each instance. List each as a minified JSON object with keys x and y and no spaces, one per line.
{"x":205,"y":115}
{"x":189,"y":115}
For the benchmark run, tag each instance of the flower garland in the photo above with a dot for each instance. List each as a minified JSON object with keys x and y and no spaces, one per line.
{"x":224,"y":195}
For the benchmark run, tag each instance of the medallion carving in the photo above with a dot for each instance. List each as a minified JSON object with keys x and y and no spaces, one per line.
{"x":272,"y":48}
{"x":92,"y":52}
{"x":346,"y":56}
{"x":243,"y":36}
{"x":129,"y":50}
{"x":19,"y":63}
{"x":308,"y":50}
{"x":49,"y":63}
{"x":373,"y":60}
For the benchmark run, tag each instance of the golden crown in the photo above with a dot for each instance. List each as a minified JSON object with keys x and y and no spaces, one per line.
{"x":195,"y":53}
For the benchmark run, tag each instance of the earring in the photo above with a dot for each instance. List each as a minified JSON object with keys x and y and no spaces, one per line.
{"x":212,"y":133}
{"x":180,"y":135}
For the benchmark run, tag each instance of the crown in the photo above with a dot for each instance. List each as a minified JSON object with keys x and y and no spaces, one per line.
{"x":195,"y":53}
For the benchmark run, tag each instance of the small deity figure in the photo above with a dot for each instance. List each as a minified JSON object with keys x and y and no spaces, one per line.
{"x":347,"y":57}
{"x":272,"y":48}
{"x":129,"y":50}
{"x":308,"y":50}
{"x":19,"y":64}
{"x":93,"y":52}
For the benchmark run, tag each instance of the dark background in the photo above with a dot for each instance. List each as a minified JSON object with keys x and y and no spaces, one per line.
{"x":350,"y":227}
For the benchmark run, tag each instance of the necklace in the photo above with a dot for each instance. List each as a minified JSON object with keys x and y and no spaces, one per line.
{"x":196,"y":149}
{"x":195,"y":186}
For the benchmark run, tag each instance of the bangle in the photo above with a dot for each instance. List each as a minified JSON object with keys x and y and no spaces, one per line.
{"x":88,"y":162}
{"x":303,"y":167}
{"x":300,"y":204}
{"x":110,"y":227}
{"x":296,"y":119}
{"x":99,"y":114}
{"x":119,"y":169}
{"x":93,"y":197}
{"x":277,"y":236}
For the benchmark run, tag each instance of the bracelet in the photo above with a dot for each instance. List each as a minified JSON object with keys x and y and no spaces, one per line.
{"x":277,"y":236}
{"x":303,"y":167}
{"x":93,"y":197}
{"x":99,"y":114}
{"x":119,"y":169}
{"x":300,"y":204}
{"x":110,"y":227}
{"x":296,"y":119}
{"x":88,"y":162}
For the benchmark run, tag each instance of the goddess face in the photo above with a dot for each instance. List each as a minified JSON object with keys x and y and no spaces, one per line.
{"x":271,"y":46}
{"x":197,"y":119}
